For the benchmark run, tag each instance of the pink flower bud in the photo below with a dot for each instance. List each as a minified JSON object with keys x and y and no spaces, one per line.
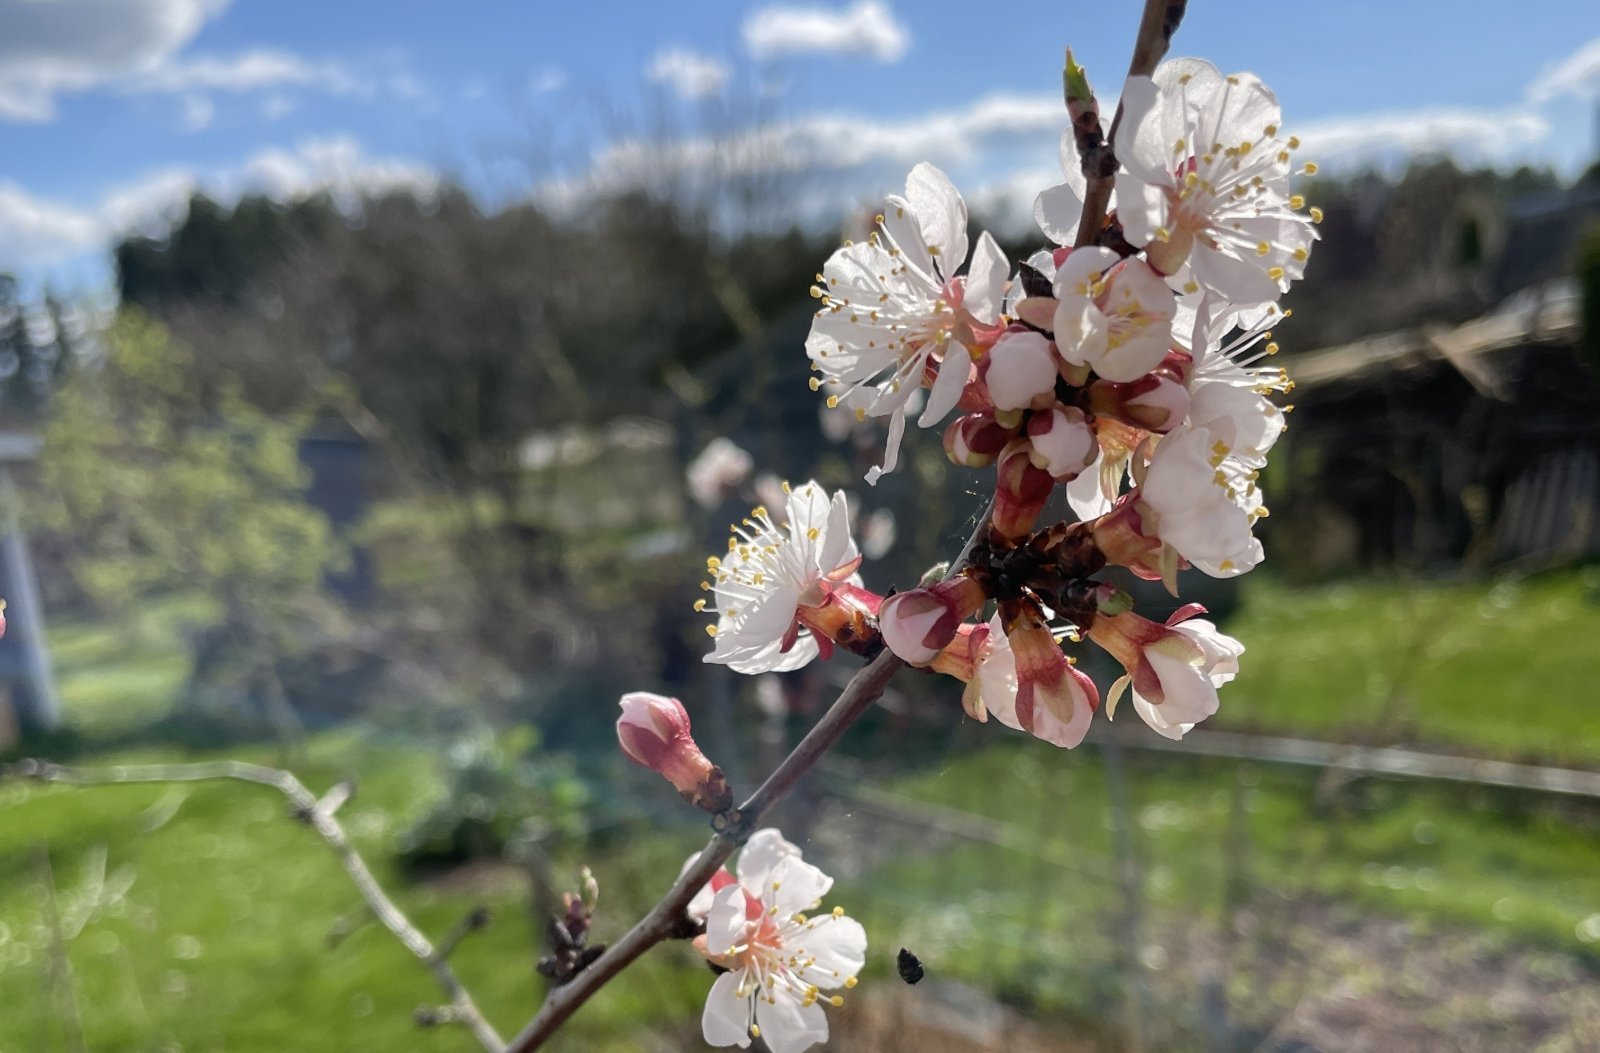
{"x":918,"y":625}
{"x":1156,"y":402}
{"x":1122,"y":538}
{"x":1063,"y":443}
{"x":1055,"y":700}
{"x":974,"y":441}
{"x":1020,"y":491}
{"x":1173,"y":669}
{"x":1021,"y":371}
{"x":1037,"y":311}
{"x":654,"y":732}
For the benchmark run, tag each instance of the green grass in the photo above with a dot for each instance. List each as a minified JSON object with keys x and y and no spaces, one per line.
{"x":221,"y":938}
{"x":1507,"y":670}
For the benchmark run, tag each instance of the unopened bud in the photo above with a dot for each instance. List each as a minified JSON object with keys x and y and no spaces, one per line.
{"x":918,"y":624}
{"x":654,"y":732}
{"x":1020,"y":491}
{"x":1021,"y":371}
{"x":1063,"y":443}
{"x":974,"y":441}
{"x":1122,"y":539}
{"x":1155,"y":402}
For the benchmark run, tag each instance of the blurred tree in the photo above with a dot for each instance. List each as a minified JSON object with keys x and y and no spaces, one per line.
{"x":454,"y":337}
{"x":1587,"y":270}
{"x":166,"y":499}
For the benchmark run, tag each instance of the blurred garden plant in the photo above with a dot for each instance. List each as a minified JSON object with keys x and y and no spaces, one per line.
{"x":1121,"y":365}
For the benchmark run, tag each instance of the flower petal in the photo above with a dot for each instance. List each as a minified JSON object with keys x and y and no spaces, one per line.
{"x":787,"y":1025}
{"x":948,"y":385}
{"x":794,"y":886}
{"x":764,"y":851}
{"x":839,"y":946}
{"x":726,"y":1020}
{"x":942,"y":215}
{"x":726,"y":921}
{"x":986,"y":280}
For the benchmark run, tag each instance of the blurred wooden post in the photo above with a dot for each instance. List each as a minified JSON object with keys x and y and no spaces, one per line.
{"x":42,"y":712}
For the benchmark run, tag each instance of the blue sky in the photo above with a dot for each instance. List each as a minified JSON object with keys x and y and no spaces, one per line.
{"x":111,"y":111}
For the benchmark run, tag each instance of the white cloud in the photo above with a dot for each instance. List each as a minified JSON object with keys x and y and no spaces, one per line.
{"x":688,"y":73}
{"x":1577,"y":75}
{"x":53,"y":48}
{"x":866,"y":28}
{"x":545,"y":81}
{"x":839,"y":141}
{"x":1467,"y":134}
{"x":48,"y":49}
{"x":277,"y":107}
{"x":33,"y":229}
{"x":197,"y":112}
{"x":36,"y":232}
{"x":251,"y":71}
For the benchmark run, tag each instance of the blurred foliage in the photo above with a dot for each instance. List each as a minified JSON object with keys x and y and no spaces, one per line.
{"x":162,"y":496}
{"x":497,"y":789}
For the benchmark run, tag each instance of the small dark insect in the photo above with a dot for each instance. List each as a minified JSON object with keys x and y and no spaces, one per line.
{"x":909,"y":966}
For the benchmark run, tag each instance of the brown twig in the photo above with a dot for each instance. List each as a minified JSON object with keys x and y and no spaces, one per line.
{"x":665,"y":919}
{"x":319,"y":816}
{"x":1156,"y":26}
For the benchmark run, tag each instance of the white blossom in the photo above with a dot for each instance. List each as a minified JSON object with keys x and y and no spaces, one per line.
{"x":894,"y":308}
{"x":780,"y":956}
{"x":1205,"y":509}
{"x":1227,"y":391}
{"x":1190,"y":663}
{"x":772,"y":575}
{"x":1061,"y":710}
{"x":1021,"y":372}
{"x":1205,"y":185}
{"x":717,"y":471}
{"x":1114,"y":315}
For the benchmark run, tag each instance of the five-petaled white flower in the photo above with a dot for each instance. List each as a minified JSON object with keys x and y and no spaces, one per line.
{"x":774,"y":581}
{"x":893,"y":309}
{"x":1205,"y":182}
{"x":1174,"y":670}
{"x":780,"y":956}
{"x":1114,"y":315}
{"x":1194,"y":499}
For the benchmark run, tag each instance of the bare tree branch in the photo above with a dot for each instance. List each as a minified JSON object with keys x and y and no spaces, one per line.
{"x":1156,"y":26}
{"x":319,"y":815}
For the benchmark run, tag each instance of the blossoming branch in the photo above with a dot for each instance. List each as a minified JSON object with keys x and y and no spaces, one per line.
{"x":1123,"y":364}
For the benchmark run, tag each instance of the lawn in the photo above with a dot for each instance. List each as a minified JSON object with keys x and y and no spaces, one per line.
{"x":199,"y":917}
{"x":1506,"y":669}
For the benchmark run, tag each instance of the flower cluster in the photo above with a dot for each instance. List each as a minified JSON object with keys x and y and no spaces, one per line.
{"x":1122,"y":365}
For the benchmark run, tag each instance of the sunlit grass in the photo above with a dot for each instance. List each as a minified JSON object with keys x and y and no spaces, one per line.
{"x":221,"y":940}
{"x":1506,"y":670}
